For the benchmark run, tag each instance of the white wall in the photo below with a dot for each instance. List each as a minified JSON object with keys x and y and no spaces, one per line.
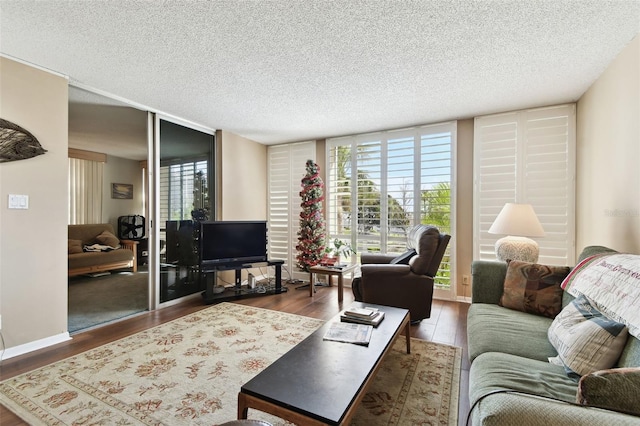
{"x":33,"y":242}
{"x":608,"y":157}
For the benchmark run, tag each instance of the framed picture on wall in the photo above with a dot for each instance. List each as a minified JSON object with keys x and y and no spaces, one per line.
{"x":122,"y":191}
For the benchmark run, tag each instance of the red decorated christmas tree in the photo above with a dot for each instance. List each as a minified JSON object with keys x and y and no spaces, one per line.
{"x":311,"y":235}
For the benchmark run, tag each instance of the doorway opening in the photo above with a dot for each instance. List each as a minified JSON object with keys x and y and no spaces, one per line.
{"x":109,"y":138}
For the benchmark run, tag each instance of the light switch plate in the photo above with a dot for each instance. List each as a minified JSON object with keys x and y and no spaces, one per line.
{"x":18,"y":201}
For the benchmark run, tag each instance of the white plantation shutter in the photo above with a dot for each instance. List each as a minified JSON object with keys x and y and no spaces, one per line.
{"x":338,"y":189}
{"x":369,"y":205}
{"x":495,"y":142}
{"x":286,"y":170}
{"x":436,"y":159}
{"x":403,"y":179}
{"x":527,"y":157}
{"x":401,"y":186}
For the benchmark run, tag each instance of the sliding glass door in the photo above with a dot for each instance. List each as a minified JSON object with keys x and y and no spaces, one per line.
{"x":184,"y":164}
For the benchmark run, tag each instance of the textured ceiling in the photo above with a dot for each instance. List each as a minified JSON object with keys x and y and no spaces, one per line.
{"x":281,"y":71}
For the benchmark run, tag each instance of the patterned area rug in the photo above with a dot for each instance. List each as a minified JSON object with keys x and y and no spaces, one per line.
{"x":189,"y":371}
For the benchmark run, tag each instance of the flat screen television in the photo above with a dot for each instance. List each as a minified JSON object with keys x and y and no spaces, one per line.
{"x":228,"y":243}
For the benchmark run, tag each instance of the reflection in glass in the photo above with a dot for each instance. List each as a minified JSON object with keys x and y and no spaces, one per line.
{"x":185,"y":200}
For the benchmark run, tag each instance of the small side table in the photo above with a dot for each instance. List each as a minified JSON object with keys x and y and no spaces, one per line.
{"x":331,"y":271}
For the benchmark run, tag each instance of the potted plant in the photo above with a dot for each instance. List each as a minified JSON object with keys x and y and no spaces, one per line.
{"x":335,"y":249}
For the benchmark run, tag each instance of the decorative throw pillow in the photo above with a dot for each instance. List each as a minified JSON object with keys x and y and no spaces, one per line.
{"x":108,"y":239}
{"x":75,"y":246}
{"x":404,"y":258}
{"x":533,"y":288}
{"x":615,"y":389}
{"x":586,"y":340}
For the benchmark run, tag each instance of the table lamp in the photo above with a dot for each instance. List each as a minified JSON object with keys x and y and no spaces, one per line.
{"x":517,"y":221}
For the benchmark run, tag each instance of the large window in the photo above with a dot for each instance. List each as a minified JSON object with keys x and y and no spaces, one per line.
{"x":379,"y":185}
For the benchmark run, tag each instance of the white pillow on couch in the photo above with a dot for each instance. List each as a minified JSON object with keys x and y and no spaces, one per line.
{"x":585,"y":339}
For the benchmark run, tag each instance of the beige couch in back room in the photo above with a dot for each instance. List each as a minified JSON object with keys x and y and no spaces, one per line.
{"x":123,"y":254}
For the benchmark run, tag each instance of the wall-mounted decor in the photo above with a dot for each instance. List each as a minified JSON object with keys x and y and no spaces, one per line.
{"x":122,"y":191}
{"x":17,"y":143}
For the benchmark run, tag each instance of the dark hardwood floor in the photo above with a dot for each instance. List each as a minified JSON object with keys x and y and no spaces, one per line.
{"x":448,"y":324}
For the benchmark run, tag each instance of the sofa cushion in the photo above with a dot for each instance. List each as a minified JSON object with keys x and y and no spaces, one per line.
{"x":493,"y":371}
{"x":86,"y":259}
{"x":615,"y":389}
{"x":533,"y":288}
{"x":523,"y":410}
{"x":108,"y":239}
{"x":585,"y":339}
{"x":75,"y":246}
{"x":492,"y":328}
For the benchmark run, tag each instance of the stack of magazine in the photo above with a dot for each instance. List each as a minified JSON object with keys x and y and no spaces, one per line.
{"x":359,"y":334}
{"x":368,"y":316}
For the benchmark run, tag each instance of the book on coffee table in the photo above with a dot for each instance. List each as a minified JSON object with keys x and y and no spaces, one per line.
{"x":360,"y":312}
{"x":373,"y":320}
{"x":359,"y":334}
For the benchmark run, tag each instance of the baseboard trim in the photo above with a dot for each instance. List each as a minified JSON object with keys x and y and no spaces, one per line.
{"x":35,"y":345}
{"x":464,"y":299}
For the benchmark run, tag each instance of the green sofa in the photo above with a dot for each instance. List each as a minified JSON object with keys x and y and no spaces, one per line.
{"x":511,"y":381}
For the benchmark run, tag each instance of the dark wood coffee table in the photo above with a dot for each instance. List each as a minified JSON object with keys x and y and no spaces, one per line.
{"x":322,"y":382}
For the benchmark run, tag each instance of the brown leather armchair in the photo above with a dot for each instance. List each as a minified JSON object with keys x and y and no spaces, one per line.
{"x":404,"y":281}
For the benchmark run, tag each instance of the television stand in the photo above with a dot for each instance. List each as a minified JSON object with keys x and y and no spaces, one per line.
{"x":238,"y":291}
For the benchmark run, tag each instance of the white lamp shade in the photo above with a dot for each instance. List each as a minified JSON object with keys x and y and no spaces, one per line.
{"x":517,"y":220}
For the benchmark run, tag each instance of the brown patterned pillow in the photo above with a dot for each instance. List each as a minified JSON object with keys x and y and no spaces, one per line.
{"x":533,"y":288}
{"x":108,"y":239}
{"x":615,"y":389}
